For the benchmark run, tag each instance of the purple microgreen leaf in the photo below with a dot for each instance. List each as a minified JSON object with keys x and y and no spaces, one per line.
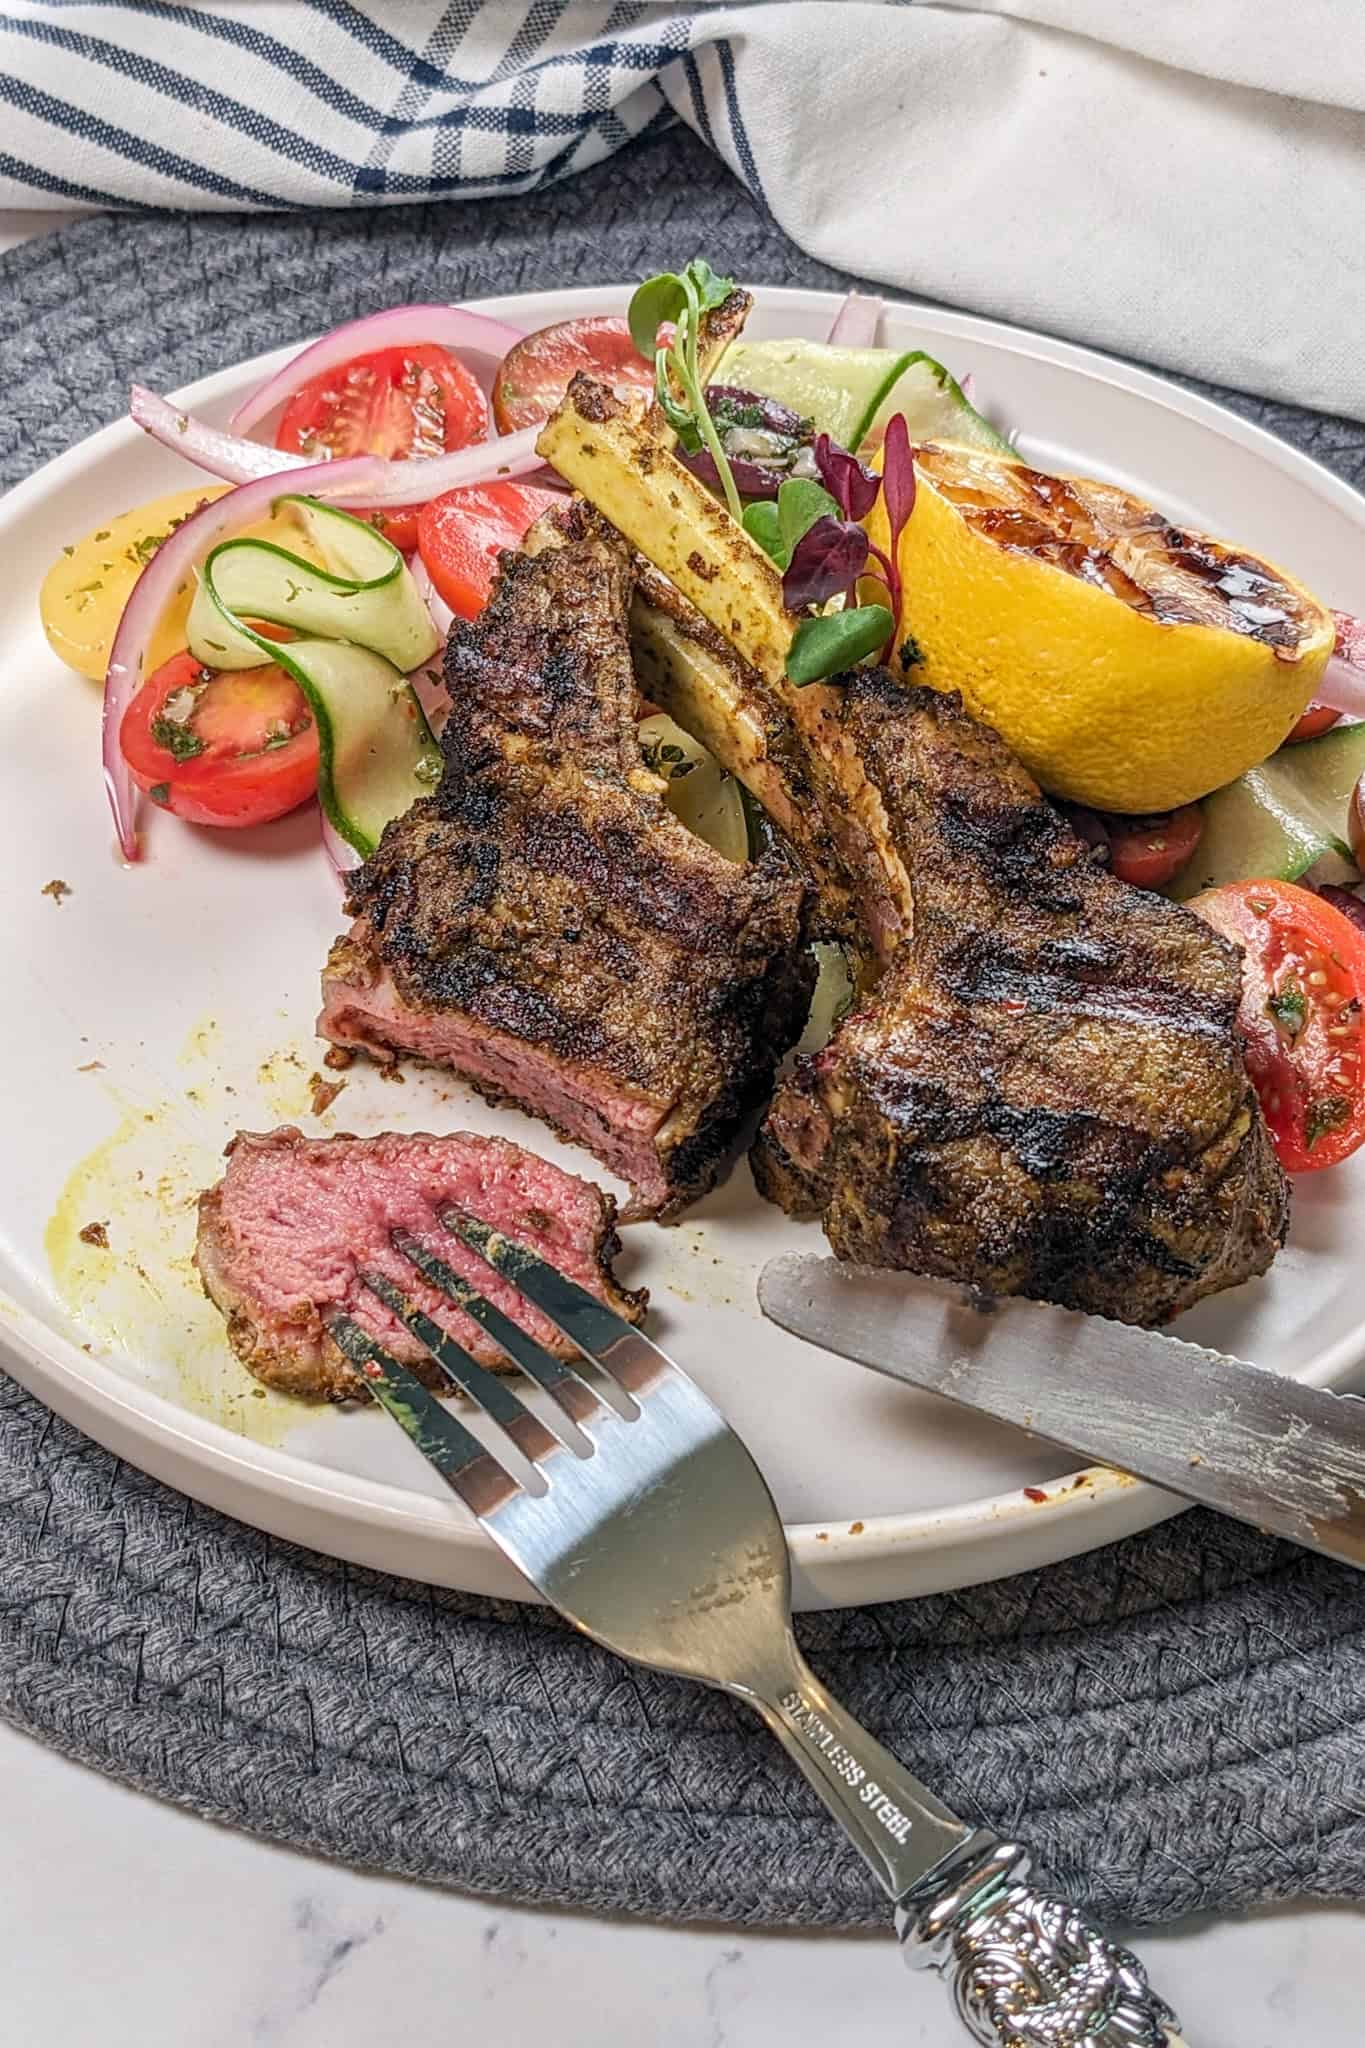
{"x":853,"y":487}
{"x":898,"y":477}
{"x":834,"y":642}
{"x":898,"y":496}
{"x":826,"y":561}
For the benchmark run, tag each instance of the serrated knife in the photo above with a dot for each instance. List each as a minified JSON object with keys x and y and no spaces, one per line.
{"x":1288,"y":1458}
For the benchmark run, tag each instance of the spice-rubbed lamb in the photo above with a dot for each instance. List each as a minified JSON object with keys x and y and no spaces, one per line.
{"x":545,"y":926}
{"x":1044,"y":1093}
{"x":283,"y":1237}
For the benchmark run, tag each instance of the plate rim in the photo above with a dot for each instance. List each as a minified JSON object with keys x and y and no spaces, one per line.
{"x":885,"y":1554}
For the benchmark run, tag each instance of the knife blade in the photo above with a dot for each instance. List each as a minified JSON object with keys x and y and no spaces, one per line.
{"x":1288,"y":1458}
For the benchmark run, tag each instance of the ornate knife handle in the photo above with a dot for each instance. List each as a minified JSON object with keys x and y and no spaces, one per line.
{"x":1025,"y":1970}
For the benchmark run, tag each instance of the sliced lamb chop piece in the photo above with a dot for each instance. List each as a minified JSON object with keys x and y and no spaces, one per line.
{"x":542,"y":923}
{"x":284,"y":1235}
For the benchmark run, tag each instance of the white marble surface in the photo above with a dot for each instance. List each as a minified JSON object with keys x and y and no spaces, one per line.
{"x":126,"y":1923}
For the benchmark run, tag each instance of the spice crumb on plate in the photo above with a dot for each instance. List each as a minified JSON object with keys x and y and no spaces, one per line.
{"x":56,"y":889}
{"x":95,"y":1233}
{"x":325,"y":1093}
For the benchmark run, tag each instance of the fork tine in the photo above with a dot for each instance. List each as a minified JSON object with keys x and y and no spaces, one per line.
{"x":494,"y":1396}
{"x":467,"y":1466}
{"x":574,"y":1396}
{"x":633,"y":1359}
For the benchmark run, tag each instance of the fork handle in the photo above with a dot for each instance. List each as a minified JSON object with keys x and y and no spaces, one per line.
{"x":1025,"y":1970}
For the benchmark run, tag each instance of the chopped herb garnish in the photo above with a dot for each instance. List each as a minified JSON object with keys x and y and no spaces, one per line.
{"x":68,"y":551}
{"x":1288,"y":1008}
{"x":160,"y":792}
{"x":179,"y":740}
{"x":1325,"y":1113}
{"x":911,"y":654}
{"x":667,"y":760}
{"x":103,"y":533}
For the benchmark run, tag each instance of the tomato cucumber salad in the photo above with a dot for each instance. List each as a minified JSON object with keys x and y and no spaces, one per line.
{"x":272,"y":633}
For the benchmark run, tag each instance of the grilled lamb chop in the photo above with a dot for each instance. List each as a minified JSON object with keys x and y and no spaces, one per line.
{"x":543,"y":925}
{"x":284,"y":1234}
{"x":1044,"y":1093}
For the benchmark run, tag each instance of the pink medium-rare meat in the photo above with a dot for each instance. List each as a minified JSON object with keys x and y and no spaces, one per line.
{"x":285,"y":1234}
{"x":543,"y":924}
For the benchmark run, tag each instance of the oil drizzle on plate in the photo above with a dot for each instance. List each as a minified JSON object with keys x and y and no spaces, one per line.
{"x":136,"y":1299}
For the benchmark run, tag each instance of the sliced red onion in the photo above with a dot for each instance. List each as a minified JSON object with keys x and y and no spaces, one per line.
{"x":752,"y":479}
{"x":174,"y":561}
{"x":858,"y":321}
{"x":389,"y":483}
{"x":340,"y":852}
{"x":427,"y":686}
{"x":1350,"y":641}
{"x":207,"y":447}
{"x":968,"y":387}
{"x":1342,"y":685}
{"x":1343,"y":680}
{"x":442,"y":616}
{"x":449,"y":327}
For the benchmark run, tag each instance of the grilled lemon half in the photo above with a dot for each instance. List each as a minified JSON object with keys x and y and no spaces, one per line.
{"x":1131,"y":664}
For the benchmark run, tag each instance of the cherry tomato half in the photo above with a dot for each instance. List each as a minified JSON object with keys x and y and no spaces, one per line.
{"x":1302,"y":1016}
{"x":1317,"y":719}
{"x":461,"y":534}
{"x":534,"y":376}
{"x":395,"y":402}
{"x":222,"y":746}
{"x":1148,"y":851}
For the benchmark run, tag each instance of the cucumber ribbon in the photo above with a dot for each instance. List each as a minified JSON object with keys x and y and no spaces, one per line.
{"x":362,"y":629}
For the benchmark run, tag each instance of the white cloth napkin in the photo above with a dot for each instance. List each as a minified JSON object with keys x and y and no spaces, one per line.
{"x":1179,"y":180}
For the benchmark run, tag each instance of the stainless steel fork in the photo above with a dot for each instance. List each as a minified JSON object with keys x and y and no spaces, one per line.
{"x":649,"y":1526}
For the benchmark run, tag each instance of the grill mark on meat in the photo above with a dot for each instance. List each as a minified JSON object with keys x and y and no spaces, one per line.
{"x":544,"y":925}
{"x":1044,"y":1093}
{"x":1074,"y":978}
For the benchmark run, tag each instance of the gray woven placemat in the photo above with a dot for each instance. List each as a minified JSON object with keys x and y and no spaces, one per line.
{"x":1174,"y":1723}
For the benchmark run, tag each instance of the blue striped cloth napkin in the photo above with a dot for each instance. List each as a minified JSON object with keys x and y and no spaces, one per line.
{"x":1141,"y":174}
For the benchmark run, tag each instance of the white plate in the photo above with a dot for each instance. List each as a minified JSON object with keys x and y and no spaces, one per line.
{"x":196,"y":974}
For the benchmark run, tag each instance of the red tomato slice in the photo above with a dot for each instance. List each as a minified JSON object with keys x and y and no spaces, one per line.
{"x":222,"y":746}
{"x":1149,"y":852}
{"x":461,"y":534}
{"x":1318,"y":718}
{"x":534,"y":376}
{"x":1302,"y":1016}
{"x":395,"y":402}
